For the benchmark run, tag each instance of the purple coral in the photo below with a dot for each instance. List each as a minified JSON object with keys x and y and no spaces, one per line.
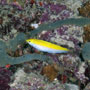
{"x":17,"y":5}
{"x":59,"y":11}
{"x":3,"y":1}
{"x":54,"y":57}
{"x":57,"y":8}
{"x":45,"y":17}
{"x":75,"y":41}
{"x":61,"y":30}
{"x":4,"y":79}
{"x":81,"y":77}
{"x":47,"y":35}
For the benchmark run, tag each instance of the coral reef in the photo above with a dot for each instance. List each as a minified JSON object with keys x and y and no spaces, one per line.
{"x":18,"y":2}
{"x":71,"y":86}
{"x":50,"y":71}
{"x":32,"y":81}
{"x":85,"y":10}
{"x":34,"y":66}
{"x":80,"y":73}
{"x":57,"y":23}
{"x":6,"y":59}
{"x":87,"y":87}
{"x":87,"y":72}
{"x":69,"y":61}
{"x":21,"y":37}
{"x":86,"y":36}
{"x":73,"y":5}
{"x":4,"y":79}
{"x":13,"y":18}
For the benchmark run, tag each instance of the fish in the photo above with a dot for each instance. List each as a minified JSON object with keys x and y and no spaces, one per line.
{"x":46,"y":46}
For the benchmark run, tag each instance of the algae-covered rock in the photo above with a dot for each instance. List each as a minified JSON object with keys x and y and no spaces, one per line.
{"x":71,"y":87}
{"x":32,"y":81}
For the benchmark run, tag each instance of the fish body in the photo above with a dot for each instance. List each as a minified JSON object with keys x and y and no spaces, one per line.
{"x":45,"y":46}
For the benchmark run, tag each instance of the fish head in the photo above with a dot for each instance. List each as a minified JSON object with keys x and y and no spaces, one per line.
{"x":30,"y":41}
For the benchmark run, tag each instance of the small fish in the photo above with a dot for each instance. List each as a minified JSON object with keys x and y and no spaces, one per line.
{"x":45,"y":46}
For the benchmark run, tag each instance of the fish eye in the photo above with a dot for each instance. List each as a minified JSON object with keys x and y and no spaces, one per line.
{"x":29,"y":41}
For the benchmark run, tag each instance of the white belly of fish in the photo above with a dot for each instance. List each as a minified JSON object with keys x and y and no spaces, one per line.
{"x":45,"y":49}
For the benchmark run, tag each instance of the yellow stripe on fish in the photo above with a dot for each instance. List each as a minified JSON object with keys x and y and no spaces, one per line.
{"x":46,"y":46}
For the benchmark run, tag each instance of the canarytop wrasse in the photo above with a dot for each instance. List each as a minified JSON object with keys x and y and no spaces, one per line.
{"x":45,"y":46}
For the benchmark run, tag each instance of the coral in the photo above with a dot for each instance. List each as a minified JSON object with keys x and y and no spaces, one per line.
{"x":24,"y":81}
{"x":71,"y":86}
{"x":33,"y":66}
{"x":86,"y":36}
{"x":81,"y":77}
{"x":6,"y":59}
{"x":58,"y":23}
{"x":69,"y":36}
{"x":13,"y":18}
{"x":18,"y":2}
{"x":73,"y":5}
{"x":55,"y":12}
{"x":87,"y":87}
{"x":62,"y":78}
{"x":50,"y":71}
{"x":85,"y":10}
{"x":87,"y":72}
{"x":70,"y":61}
{"x":21,"y":37}
{"x":4,"y":79}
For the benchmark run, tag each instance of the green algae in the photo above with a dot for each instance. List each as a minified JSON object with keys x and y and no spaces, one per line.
{"x":86,"y":51}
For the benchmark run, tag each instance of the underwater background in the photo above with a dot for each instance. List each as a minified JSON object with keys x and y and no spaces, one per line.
{"x":62,"y":22}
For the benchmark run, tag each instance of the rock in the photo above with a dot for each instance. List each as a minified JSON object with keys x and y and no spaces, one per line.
{"x":71,"y":87}
{"x":14,"y":31}
{"x":87,"y":87}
